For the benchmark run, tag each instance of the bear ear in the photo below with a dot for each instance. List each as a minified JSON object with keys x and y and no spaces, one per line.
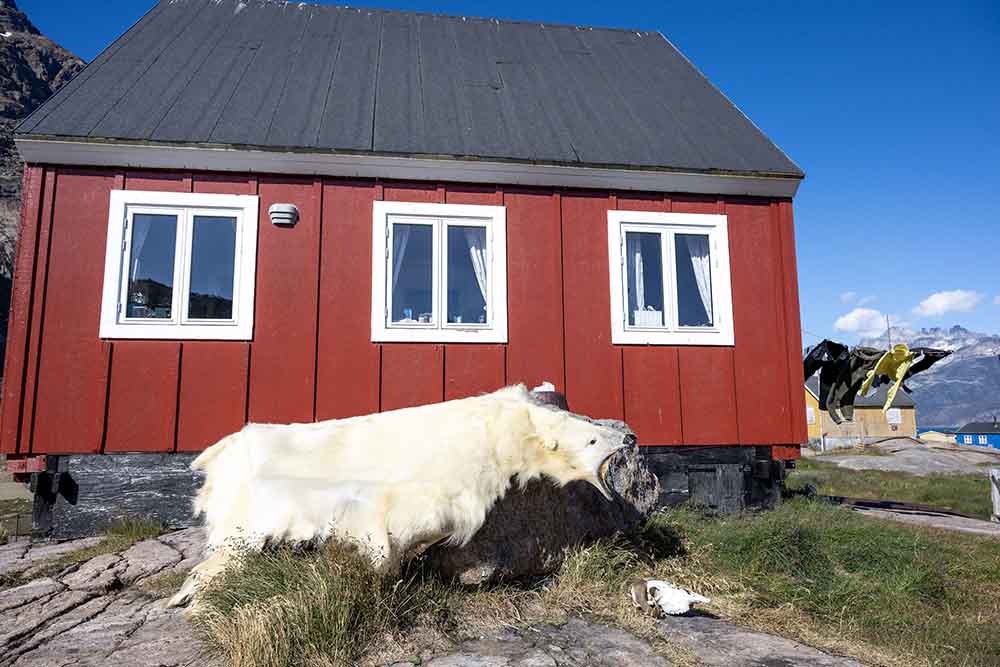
{"x":552,"y":445}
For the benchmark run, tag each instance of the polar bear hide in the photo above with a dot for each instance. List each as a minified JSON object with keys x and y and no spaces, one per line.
{"x":393,"y":482}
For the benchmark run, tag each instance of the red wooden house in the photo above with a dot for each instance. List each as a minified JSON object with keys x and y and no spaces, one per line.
{"x":257,"y":211}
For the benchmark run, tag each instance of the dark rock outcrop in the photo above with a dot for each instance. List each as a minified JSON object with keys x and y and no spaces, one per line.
{"x":529,"y":532}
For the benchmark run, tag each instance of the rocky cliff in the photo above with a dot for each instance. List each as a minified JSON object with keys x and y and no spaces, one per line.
{"x":964,"y":387}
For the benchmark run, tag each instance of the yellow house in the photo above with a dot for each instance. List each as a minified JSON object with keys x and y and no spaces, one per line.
{"x":869,"y":423}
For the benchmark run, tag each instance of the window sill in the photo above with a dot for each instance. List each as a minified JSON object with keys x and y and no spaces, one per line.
{"x":705,"y":338}
{"x":451,"y":335}
{"x":175,"y":332}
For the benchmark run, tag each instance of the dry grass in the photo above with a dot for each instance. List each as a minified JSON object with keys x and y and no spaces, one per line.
{"x":884,"y":594}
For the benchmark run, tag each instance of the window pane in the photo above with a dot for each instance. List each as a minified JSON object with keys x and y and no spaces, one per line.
{"x":468,"y":275}
{"x":694,"y":280}
{"x":411,"y":274}
{"x":213,"y":257}
{"x":151,"y":266}
{"x":644,"y":273}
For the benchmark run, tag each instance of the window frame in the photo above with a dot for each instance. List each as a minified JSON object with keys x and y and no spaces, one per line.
{"x":123,"y":206}
{"x":967,"y":440}
{"x":983,"y":440}
{"x":441,"y":216}
{"x":716,"y":227}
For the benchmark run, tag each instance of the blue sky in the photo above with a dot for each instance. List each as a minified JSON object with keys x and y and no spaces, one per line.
{"x":891,"y":108}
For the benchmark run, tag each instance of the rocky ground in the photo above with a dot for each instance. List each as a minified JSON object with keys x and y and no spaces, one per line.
{"x":110,"y":610}
{"x":920,"y":458}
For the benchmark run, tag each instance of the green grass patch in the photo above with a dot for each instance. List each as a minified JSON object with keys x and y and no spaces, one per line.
{"x":119,"y":536}
{"x":918,"y":596}
{"x":10,"y":511}
{"x":968,"y":494}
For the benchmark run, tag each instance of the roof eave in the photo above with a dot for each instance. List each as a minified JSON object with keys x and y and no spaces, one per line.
{"x":76,"y":151}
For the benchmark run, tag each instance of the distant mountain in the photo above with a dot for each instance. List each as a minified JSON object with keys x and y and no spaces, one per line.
{"x":964,"y":387}
{"x":32,"y":67}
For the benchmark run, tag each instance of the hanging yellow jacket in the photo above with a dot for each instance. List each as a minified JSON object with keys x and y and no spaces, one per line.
{"x":893,"y":364}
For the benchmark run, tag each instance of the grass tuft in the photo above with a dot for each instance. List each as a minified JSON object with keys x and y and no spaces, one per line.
{"x":968,"y":494}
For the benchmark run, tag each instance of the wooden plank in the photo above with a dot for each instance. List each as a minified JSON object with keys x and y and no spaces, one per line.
{"x":283,"y":352}
{"x":760,"y":359}
{"x":471,"y":370}
{"x":652,"y":394}
{"x":708,"y":401}
{"x":213,"y":393}
{"x":413,"y":192}
{"x":158,"y":181}
{"x":534,"y":296}
{"x":73,"y":365}
{"x":348,"y":363}
{"x":19,"y":322}
{"x":224,"y":184}
{"x":412,"y":374}
{"x":142,"y":398}
{"x":995,"y":493}
{"x":793,"y":325}
{"x":593,"y":364}
{"x":30,"y":396}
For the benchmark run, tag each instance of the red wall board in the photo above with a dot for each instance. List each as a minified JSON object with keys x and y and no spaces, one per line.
{"x":213,"y":392}
{"x":283,"y":352}
{"x":413,"y":192}
{"x":652,"y":394}
{"x":225,"y":184}
{"x":486,"y":195}
{"x":792,"y":322}
{"x":142,"y":397}
{"x":534,"y":288}
{"x":29,"y":396}
{"x":470,"y":370}
{"x":593,"y":365}
{"x":786,"y":452}
{"x":348,"y":363}
{"x":758,"y":311}
{"x":412,"y":374}
{"x":694,"y":204}
{"x":19,"y":323}
{"x":634,"y":201}
{"x":73,"y":365}
{"x":158,"y":181}
{"x":708,"y":402}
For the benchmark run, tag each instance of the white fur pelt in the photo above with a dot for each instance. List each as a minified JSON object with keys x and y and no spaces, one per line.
{"x":393,"y":482}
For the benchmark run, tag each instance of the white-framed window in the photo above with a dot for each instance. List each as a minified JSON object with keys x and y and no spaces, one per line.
{"x":983,"y":440}
{"x":810,"y":415}
{"x":670,"y":279}
{"x":967,"y":439}
{"x":179,"y":266}
{"x":439,"y":273}
{"x":894,"y":416}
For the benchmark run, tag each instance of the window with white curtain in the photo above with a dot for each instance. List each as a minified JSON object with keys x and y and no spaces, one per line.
{"x":179,"y":265}
{"x":439,"y":273}
{"x":670,"y":282}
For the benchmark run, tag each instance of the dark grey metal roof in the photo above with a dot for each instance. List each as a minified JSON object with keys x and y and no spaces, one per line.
{"x":987,"y":428}
{"x":874,"y":400}
{"x":276,"y":75}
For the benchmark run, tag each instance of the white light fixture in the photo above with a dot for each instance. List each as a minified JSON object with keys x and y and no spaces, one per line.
{"x":283,"y":215}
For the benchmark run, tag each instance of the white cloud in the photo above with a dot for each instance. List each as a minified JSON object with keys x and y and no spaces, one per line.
{"x":864,"y":322}
{"x":865,"y":300}
{"x":848,"y":297}
{"x":953,"y":301}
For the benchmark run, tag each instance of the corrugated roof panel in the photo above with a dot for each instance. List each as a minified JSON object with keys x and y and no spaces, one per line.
{"x":293,"y":75}
{"x":349,"y":113}
{"x":247,"y":117}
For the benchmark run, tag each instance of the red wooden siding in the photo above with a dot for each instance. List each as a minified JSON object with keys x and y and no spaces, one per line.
{"x":283,"y":353}
{"x":347,"y":362}
{"x":312,"y":358}
{"x":20,"y":310}
{"x":593,"y":365}
{"x":73,"y":365}
{"x":142,"y":396}
{"x":534,"y":310}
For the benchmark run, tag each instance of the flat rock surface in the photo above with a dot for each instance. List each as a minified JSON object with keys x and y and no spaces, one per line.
{"x":905,"y":455}
{"x":933,"y":520}
{"x":93,"y":615}
{"x":716,"y":642}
